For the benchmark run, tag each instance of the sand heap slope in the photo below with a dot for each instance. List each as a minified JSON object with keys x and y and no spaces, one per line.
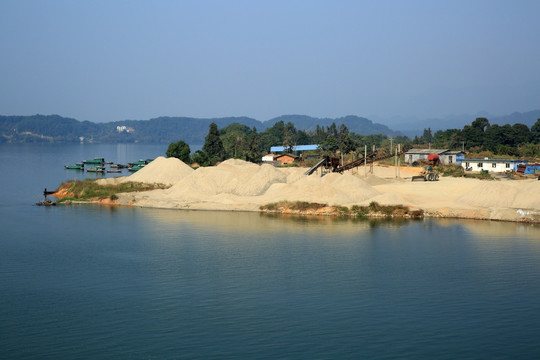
{"x":237,"y":184}
{"x":235,"y":177}
{"x":162,"y":170}
{"x":523,"y":194}
{"x":331,"y":189}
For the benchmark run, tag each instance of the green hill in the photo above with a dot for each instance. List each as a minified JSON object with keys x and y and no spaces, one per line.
{"x":55,"y":128}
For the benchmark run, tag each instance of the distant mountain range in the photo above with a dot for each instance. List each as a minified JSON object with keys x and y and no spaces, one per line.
{"x":54,"y":128}
{"x":413,"y":126}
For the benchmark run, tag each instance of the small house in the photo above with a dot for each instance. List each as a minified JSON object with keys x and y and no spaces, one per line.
{"x":286,"y":159}
{"x":445,"y":156}
{"x":269,"y":158}
{"x":491,"y":165}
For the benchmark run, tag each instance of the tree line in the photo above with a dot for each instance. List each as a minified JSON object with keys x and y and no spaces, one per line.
{"x":243,"y":142}
{"x":513,"y":140}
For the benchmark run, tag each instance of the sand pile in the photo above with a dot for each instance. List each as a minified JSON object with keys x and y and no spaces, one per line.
{"x":332,"y":189}
{"x":236,"y":177}
{"x":523,"y":194}
{"x":162,"y":170}
{"x":237,"y":182}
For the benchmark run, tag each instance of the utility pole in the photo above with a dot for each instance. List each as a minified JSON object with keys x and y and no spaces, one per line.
{"x":395,"y":164}
{"x":365,"y":160}
{"x":399,"y":161}
{"x":372,"y":162}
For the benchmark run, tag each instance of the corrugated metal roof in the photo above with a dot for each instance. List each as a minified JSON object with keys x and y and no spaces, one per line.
{"x":426,"y":151}
{"x":295,"y":148}
{"x":498,"y":160}
{"x":453,"y":152}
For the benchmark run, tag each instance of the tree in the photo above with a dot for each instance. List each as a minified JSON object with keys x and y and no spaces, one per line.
{"x":480,"y":123}
{"x":473,"y":134}
{"x":345,"y":143}
{"x":521,"y":134}
{"x":213,"y":147}
{"x":535,"y":132}
{"x":252,"y":153}
{"x":201,"y":158}
{"x":179,"y":150}
{"x":427,"y":137}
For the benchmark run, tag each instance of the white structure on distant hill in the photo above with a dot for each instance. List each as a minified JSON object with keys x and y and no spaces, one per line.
{"x":123,"y":128}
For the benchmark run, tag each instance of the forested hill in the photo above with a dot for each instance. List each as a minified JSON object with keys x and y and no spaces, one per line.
{"x":355,"y":124}
{"x":54,"y":128}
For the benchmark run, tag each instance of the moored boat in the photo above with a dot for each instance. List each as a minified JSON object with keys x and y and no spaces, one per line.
{"x":135,"y":168}
{"x":77,"y":166}
{"x":118,"y":166}
{"x":95,"y":161}
{"x":96,"y":169}
{"x":46,"y":202}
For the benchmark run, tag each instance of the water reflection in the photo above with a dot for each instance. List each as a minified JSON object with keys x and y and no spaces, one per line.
{"x":493,"y":230}
{"x":257,"y":223}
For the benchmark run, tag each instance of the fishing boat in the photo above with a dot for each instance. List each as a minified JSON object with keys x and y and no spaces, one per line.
{"x":135,"y":168}
{"x":118,"y":166}
{"x":77,"y":166}
{"x":138,"y":163}
{"x":96,"y":169}
{"x":95,"y":161}
{"x":114,"y":171}
{"x":46,"y":202}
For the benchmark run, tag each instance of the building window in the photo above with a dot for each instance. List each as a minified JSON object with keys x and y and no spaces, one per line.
{"x":450,"y":159}
{"x":508,"y":165}
{"x":480,"y":165}
{"x":467,"y":165}
{"x":494,"y":165}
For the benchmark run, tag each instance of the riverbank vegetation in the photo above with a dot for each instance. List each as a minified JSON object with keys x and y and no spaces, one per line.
{"x":374,"y":209}
{"x":89,"y":189}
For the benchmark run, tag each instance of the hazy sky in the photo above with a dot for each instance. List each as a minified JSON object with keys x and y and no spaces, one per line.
{"x":116,"y":60}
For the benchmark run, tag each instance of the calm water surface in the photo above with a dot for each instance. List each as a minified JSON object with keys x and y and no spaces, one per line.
{"x":91,"y":282}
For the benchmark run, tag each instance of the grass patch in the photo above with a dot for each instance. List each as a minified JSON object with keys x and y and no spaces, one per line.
{"x":80,"y":190}
{"x":482,"y":175}
{"x":450,"y":170}
{"x":293,"y":205}
{"x":374,"y":209}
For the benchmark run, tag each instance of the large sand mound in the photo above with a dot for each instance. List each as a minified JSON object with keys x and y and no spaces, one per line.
{"x":332,"y":189}
{"x":523,"y":194}
{"x":234,"y":177}
{"x":162,"y":170}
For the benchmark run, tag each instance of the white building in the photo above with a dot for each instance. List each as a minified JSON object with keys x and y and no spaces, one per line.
{"x":491,"y":165}
{"x":269,"y":158}
{"x":123,"y":128}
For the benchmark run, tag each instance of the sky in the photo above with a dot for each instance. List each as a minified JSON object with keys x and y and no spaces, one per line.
{"x":116,"y":60}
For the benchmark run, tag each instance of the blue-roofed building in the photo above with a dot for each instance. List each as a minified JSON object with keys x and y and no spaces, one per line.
{"x":294,"y":148}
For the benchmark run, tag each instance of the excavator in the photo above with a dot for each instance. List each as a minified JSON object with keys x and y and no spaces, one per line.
{"x":428,"y":174}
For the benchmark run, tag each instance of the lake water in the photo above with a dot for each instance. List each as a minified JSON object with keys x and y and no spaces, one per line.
{"x":89,"y":282}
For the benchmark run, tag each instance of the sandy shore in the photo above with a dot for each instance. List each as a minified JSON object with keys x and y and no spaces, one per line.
{"x":236,"y":185}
